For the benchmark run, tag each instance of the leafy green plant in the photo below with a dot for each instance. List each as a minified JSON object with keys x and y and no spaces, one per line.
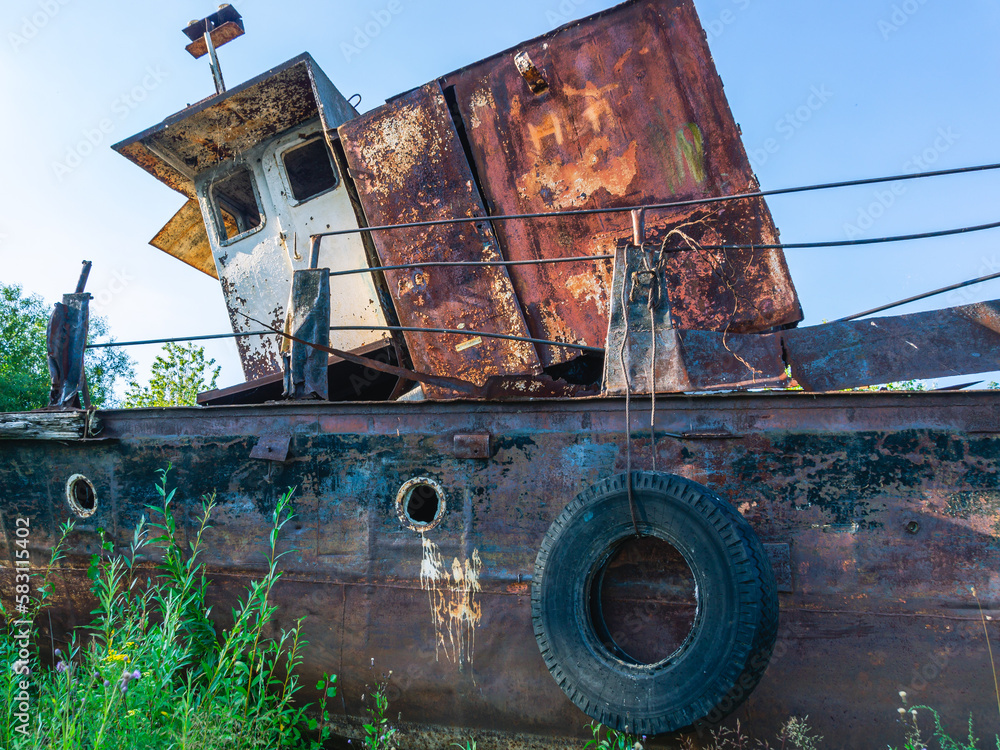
{"x":606,"y":738}
{"x":379,"y":733}
{"x":177,"y":376}
{"x":16,"y":637}
{"x":154,"y":673}
{"x":914,"y":739}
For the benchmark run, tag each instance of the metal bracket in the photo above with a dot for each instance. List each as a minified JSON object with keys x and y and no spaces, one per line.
{"x":780,"y":555}
{"x":66,"y":339}
{"x":272,"y":448}
{"x":532,"y":76}
{"x":631,"y":332}
{"x":306,"y":374}
{"x":479,"y":445}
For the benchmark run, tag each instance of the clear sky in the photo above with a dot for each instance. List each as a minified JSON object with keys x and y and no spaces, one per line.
{"x":823,"y":92}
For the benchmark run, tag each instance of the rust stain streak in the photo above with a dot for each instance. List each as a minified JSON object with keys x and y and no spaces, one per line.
{"x":455,"y":608}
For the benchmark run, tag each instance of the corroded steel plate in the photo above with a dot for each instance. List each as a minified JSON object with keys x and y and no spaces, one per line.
{"x":407,"y":162}
{"x":633,"y":112}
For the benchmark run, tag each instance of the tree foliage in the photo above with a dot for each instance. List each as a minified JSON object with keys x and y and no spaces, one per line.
{"x":24,"y":369}
{"x":178,"y":375}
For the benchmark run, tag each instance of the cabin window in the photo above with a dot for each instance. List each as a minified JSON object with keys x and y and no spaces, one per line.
{"x":237,"y":207}
{"x":310,"y":169}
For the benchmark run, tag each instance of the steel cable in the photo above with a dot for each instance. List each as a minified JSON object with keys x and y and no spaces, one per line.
{"x":659,"y":206}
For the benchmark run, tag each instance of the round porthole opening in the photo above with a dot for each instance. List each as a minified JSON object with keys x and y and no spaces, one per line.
{"x":81,"y":495}
{"x":420,"y":503}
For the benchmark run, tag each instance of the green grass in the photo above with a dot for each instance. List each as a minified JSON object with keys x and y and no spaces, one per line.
{"x":151,"y":670}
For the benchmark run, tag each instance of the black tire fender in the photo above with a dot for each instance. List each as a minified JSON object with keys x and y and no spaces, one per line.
{"x":735,"y":625}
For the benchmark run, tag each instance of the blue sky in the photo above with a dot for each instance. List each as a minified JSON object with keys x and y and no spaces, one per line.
{"x":822,"y":91}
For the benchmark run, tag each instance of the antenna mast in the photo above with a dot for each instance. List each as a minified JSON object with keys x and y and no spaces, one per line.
{"x":212,"y":32}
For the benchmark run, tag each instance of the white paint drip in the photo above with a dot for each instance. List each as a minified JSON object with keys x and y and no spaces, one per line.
{"x":455,"y":609}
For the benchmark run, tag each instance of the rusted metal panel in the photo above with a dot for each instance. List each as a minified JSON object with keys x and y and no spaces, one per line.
{"x":955,"y":341}
{"x":840,"y":478}
{"x":714,"y":359}
{"x":407,"y":162}
{"x":639,"y":338}
{"x":633,"y":112}
{"x":184,"y":238}
{"x":224,"y":25}
{"x":222,"y":34}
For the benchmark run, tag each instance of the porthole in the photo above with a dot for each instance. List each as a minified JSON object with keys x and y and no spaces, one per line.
{"x":421,"y":503}
{"x":81,"y":495}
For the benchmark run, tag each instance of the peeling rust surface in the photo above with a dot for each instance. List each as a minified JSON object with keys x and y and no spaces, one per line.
{"x":840,"y":479}
{"x":259,"y":355}
{"x":408,"y":164}
{"x":634,"y":113}
{"x":622,"y":108}
{"x":239,"y":121}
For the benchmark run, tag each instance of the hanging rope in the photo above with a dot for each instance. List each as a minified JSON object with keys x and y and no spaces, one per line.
{"x":625,"y":297}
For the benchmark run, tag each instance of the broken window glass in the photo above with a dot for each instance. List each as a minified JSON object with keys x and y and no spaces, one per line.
{"x":235,"y":200}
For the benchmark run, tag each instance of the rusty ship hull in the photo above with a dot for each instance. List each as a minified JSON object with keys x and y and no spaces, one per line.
{"x":519,"y":272}
{"x":879,"y":512}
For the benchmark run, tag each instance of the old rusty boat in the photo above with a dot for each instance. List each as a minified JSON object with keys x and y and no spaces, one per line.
{"x":522,"y":340}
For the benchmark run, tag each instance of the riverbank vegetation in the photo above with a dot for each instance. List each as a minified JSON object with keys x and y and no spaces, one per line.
{"x":152,"y":670}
